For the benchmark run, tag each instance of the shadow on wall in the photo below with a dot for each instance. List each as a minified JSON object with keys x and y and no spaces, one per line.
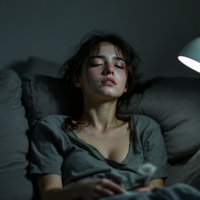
{"x":36,"y":66}
{"x":20,"y":67}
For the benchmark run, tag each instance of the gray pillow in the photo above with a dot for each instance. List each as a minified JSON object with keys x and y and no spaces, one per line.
{"x":44,"y":95}
{"x":190,"y":173}
{"x":173,"y":102}
{"x":14,"y":141}
{"x":174,"y":170}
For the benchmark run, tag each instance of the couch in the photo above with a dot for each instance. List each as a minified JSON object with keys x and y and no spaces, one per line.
{"x":173,"y":102}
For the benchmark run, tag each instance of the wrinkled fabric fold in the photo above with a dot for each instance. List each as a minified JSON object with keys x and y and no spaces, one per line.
{"x":178,"y":191}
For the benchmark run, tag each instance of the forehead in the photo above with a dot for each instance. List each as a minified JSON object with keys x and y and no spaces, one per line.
{"x":109,"y":49}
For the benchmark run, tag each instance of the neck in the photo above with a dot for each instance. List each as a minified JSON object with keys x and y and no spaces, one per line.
{"x":102,"y":116}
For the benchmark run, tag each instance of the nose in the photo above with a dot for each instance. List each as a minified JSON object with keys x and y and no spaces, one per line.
{"x":109,"y":68}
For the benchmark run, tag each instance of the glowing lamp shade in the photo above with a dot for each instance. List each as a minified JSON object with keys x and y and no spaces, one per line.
{"x":190,"y":55}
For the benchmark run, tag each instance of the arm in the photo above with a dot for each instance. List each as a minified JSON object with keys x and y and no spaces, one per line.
{"x":50,"y":188}
{"x":151,"y":185}
{"x":157,"y":183}
{"x":70,"y":193}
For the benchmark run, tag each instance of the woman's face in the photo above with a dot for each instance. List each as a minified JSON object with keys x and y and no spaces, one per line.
{"x":105,"y":64}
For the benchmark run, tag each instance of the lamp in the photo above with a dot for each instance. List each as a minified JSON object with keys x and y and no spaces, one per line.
{"x":190,"y":55}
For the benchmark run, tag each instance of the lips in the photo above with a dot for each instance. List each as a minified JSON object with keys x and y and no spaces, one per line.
{"x":108,"y":79}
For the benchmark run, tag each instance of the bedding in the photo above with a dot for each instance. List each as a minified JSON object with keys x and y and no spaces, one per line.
{"x":179,"y":191}
{"x":172,"y":103}
{"x":175,"y":106}
{"x":190,"y":174}
{"x":14,"y":141}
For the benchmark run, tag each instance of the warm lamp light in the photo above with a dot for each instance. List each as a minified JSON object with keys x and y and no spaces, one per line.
{"x":190,"y":55}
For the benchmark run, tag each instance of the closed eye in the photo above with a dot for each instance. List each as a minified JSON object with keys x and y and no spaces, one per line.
{"x":115,"y":65}
{"x":119,"y":67}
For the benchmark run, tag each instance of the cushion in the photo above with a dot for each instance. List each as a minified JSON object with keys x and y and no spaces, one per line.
{"x":14,"y":141}
{"x":190,"y":174}
{"x":174,"y":170}
{"x":173,"y":102}
{"x":44,"y":95}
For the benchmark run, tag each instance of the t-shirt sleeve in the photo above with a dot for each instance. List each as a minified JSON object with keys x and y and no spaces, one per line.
{"x":46,"y":155}
{"x":155,"y":152}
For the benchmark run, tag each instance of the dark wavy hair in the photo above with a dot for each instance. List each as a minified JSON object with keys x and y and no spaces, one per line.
{"x":81,"y":55}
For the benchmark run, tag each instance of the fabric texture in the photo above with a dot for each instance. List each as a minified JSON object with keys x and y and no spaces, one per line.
{"x":175,"y":192}
{"x":190,"y":174}
{"x":174,"y":170}
{"x":44,"y":95}
{"x":58,"y":151}
{"x":14,"y":141}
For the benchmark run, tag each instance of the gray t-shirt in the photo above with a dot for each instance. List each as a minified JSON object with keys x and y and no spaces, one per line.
{"x":55,"y":150}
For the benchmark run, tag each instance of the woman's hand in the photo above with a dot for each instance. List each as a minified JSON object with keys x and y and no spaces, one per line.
{"x":151,"y":185}
{"x":147,"y":188}
{"x":96,"y":189}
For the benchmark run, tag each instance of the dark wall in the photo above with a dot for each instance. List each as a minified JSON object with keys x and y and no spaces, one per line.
{"x":48,"y":29}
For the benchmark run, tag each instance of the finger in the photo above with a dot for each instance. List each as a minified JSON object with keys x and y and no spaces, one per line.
{"x":113,"y":186}
{"x":96,"y":197}
{"x":144,"y":189}
{"x":153,"y":186}
{"x":102,"y":192}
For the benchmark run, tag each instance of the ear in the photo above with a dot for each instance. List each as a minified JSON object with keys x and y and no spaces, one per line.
{"x":77,"y":81}
{"x":126,"y":88}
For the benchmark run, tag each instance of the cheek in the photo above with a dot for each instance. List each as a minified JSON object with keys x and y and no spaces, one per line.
{"x":93,"y":74}
{"x":123,"y":78}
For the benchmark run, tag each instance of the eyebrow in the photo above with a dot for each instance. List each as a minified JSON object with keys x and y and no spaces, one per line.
{"x":101,"y":56}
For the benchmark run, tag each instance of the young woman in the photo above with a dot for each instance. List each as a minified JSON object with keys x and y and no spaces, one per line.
{"x":95,"y":152}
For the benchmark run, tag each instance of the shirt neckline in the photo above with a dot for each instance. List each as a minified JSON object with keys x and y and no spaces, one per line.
{"x":97,"y":152}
